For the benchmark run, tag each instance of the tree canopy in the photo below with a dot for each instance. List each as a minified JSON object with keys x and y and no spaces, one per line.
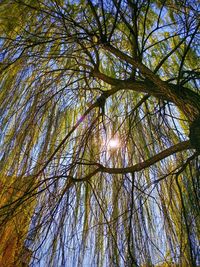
{"x":100,"y":130}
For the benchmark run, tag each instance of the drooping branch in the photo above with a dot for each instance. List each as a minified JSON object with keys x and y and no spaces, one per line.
{"x":104,"y":95}
{"x":139,"y":166}
{"x":153,"y":160}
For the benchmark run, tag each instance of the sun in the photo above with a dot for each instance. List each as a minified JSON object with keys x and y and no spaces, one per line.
{"x":114,"y":143}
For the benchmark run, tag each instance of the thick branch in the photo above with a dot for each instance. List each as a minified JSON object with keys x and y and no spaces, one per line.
{"x":139,"y":166}
{"x":138,"y":86}
{"x":183,"y":94}
{"x":147,"y":163}
{"x":188,"y":106}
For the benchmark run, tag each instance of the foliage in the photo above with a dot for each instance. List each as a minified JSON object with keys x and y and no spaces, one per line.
{"x":14,"y":226}
{"x":74,"y":76}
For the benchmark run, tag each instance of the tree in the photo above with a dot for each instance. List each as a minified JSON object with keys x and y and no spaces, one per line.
{"x":100,"y":111}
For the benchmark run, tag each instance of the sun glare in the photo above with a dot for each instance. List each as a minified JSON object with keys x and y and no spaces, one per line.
{"x":114,"y":143}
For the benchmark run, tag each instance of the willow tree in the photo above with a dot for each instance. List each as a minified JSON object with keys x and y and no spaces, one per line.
{"x":100,"y":130}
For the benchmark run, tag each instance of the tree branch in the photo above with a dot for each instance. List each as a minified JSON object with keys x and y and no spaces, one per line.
{"x":190,"y":107}
{"x":147,"y":163}
{"x":139,"y":166}
{"x":184,"y":94}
